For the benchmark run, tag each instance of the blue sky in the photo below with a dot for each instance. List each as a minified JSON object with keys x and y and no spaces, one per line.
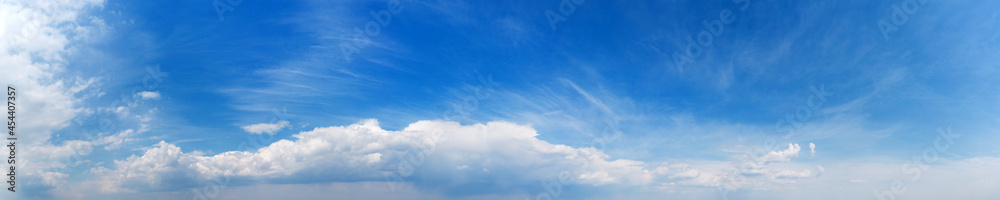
{"x":504,"y":100}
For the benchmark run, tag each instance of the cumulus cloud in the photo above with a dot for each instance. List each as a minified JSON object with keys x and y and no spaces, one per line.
{"x":32,"y":51}
{"x":784,"y":155}
{"x":149,"y":95}
{"x":36,"y":37}
{"x":366,"y":152}
{"x":505,"y":152}
{"x":812,"y":150}
{"x":265,"y":127}
{"x":760,"y":172}
{"x":159,"y":167}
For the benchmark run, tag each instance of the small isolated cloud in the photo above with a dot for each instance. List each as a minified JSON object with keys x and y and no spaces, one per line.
{"x":149,"y":95}
{"x":265,"y":128}
{"x":783,"y":156}
{"x":812,"y":149}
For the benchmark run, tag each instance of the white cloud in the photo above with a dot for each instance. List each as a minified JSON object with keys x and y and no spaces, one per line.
{"x":686,"y":174}
{"x":793,"y":174}
{"x":265,"y":127}
{"x":35,"y":39}
{"x":369,"y":152}
{"x":762,"y":173}
{"x":506,"y":152}
{"x":54,"y":178}
{"x":785,"y":155}
{"x":812,"y":149}
{"x":149,"y":95}
{"x":33,"y":45}
{"x":374,"y":158}
{"x":117,"y":140}
{"x":157,"y":168}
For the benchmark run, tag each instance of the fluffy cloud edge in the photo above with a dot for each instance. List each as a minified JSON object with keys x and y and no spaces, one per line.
{"x":496,"y":151}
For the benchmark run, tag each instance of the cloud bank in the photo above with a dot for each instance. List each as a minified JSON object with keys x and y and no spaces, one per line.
{"x":499,"y":155}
